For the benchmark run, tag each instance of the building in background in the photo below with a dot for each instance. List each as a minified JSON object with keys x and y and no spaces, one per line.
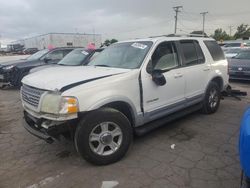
{"x":60,"y":40}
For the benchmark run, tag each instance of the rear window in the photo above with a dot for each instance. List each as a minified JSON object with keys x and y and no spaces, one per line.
{"x":215,"y":50}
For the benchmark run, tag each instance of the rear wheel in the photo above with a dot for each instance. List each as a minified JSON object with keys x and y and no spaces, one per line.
{"x":103,"y":136}
{"x":211,"y":101}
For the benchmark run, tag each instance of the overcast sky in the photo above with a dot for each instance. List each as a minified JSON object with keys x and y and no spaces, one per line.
{"x":115,"y":18}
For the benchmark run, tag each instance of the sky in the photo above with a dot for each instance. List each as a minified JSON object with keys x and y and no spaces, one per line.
{"x":115,"y":18}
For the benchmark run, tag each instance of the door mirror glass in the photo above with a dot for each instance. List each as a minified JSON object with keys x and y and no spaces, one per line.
{"x":158,"y":77}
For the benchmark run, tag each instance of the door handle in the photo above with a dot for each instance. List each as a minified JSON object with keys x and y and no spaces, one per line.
{"x":206,"y":69}
{"x":178,"y":75}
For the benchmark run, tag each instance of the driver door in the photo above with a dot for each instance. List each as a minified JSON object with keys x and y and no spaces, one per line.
{"x":159,"y":101}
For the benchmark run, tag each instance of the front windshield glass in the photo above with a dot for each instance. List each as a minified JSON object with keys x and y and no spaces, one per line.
{"x":243,"y":55}
{"x":233,"y":51}
{"x":127,"y":55}
{"x":233,"y":45}
{"x":74,"y":58}
{"x":38,"y":54}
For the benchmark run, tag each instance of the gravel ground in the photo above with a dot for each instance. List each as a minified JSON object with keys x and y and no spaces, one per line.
{"x":205,"y":153}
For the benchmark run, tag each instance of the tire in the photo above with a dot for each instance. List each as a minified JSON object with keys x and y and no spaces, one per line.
{"x":211,"y":101}
{"x":95,"y":135}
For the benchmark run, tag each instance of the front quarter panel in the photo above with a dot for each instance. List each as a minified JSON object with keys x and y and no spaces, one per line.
{"x":123,"y":88}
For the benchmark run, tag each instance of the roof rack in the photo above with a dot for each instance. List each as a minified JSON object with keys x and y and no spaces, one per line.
{"x":181,"y":35}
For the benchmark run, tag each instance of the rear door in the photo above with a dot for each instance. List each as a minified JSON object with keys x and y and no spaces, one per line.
{"x":196,"y":70}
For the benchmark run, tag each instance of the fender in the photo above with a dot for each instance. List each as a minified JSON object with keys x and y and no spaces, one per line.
{"x":138,"y":117}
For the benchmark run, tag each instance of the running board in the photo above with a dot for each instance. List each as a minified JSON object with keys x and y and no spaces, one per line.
{"x":139,"y":131}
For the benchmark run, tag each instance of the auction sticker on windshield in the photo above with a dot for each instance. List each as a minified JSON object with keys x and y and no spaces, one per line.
{"x":85,"y":53}
{"x":139,"y":45}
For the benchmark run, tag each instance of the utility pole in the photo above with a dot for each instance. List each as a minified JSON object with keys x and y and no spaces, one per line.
{"x":203,"y":27}
{"x":230,"y":30}
{"x":176,"y":9}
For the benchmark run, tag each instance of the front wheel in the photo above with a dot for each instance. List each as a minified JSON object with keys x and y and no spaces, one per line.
{"x":211,"y":101}
{"x":103,"y":136}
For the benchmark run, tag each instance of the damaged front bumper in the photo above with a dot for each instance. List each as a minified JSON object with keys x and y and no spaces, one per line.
{"x":46,"y":129}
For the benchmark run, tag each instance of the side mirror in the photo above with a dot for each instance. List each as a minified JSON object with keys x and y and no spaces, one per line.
{"x":158,"y":77}
{"x":46,"y":60}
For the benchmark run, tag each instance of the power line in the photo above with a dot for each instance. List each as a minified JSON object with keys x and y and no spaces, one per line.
{"x":176,"y":9}
{"x":203,"y":23}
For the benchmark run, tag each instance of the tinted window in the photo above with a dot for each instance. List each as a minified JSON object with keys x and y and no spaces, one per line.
{"x":75,"y":57}
{"x":243,"y":55}
{"x":55,"y":55}
{"x":232,"y":45}
{"x":201,"y":57}
{"x":215,"y":50}
{"x":165,"y":57}
{"x":192,"y":52}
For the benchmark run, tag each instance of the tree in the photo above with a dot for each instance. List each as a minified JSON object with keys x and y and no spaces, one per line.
{"x":219,"y":34}
{"x":113,"y":41}
{"x":106,"y":42}
{"x":243,"y":31}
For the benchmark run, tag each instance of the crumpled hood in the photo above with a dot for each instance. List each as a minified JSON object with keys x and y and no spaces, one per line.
{"x":56,"y":78}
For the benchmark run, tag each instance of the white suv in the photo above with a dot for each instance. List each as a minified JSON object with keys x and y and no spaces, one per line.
{"x":131,"y":87}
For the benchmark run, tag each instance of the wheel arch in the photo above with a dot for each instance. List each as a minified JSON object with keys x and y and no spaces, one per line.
{"x":218,"y":80}
{"x":124,"y":108}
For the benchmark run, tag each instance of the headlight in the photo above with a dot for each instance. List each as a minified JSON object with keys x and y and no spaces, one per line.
{"x":56,"y":104}
{"x":8,"y":67}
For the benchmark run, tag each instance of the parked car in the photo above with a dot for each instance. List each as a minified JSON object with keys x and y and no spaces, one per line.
{"x":232,"y":52}
{"x":244,"y":149}
{"x":239,"y":66}
{"x":11,"y":73}
{"x":131,"y":87}
{"x":76,"y":57}
{"x":30,"y":51}
{"x":236,"y":44}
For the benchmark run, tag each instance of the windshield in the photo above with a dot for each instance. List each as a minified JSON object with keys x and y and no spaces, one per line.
{"x":233,"y":51}
{"x":127,"y":55}
{"x":74,"y":58}
{"x":233,"y":45}
{"x":38,"y":54}
{"x":243,"y":55}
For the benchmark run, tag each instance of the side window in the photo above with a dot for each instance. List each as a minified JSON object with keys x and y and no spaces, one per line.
{"x":215,"y":50}
{"x":165,"y":57}
{"x":55,"y":55}
{"x":192,"y":52}
{"x":200,"y":55}
{"x":65,"y":52}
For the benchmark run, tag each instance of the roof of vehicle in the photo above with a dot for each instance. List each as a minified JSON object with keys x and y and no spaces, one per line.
{"x":170,"y":38}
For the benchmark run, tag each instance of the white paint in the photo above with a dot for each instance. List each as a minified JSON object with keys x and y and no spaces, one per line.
{"x":45,"y":181}
{"x":109,"y":184}
{"x":172,"y":146}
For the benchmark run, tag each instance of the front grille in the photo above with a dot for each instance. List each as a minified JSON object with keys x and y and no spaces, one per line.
{"x":31,"y":95}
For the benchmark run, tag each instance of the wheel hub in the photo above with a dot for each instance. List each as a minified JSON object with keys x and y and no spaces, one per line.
{"x":106,"y":138}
